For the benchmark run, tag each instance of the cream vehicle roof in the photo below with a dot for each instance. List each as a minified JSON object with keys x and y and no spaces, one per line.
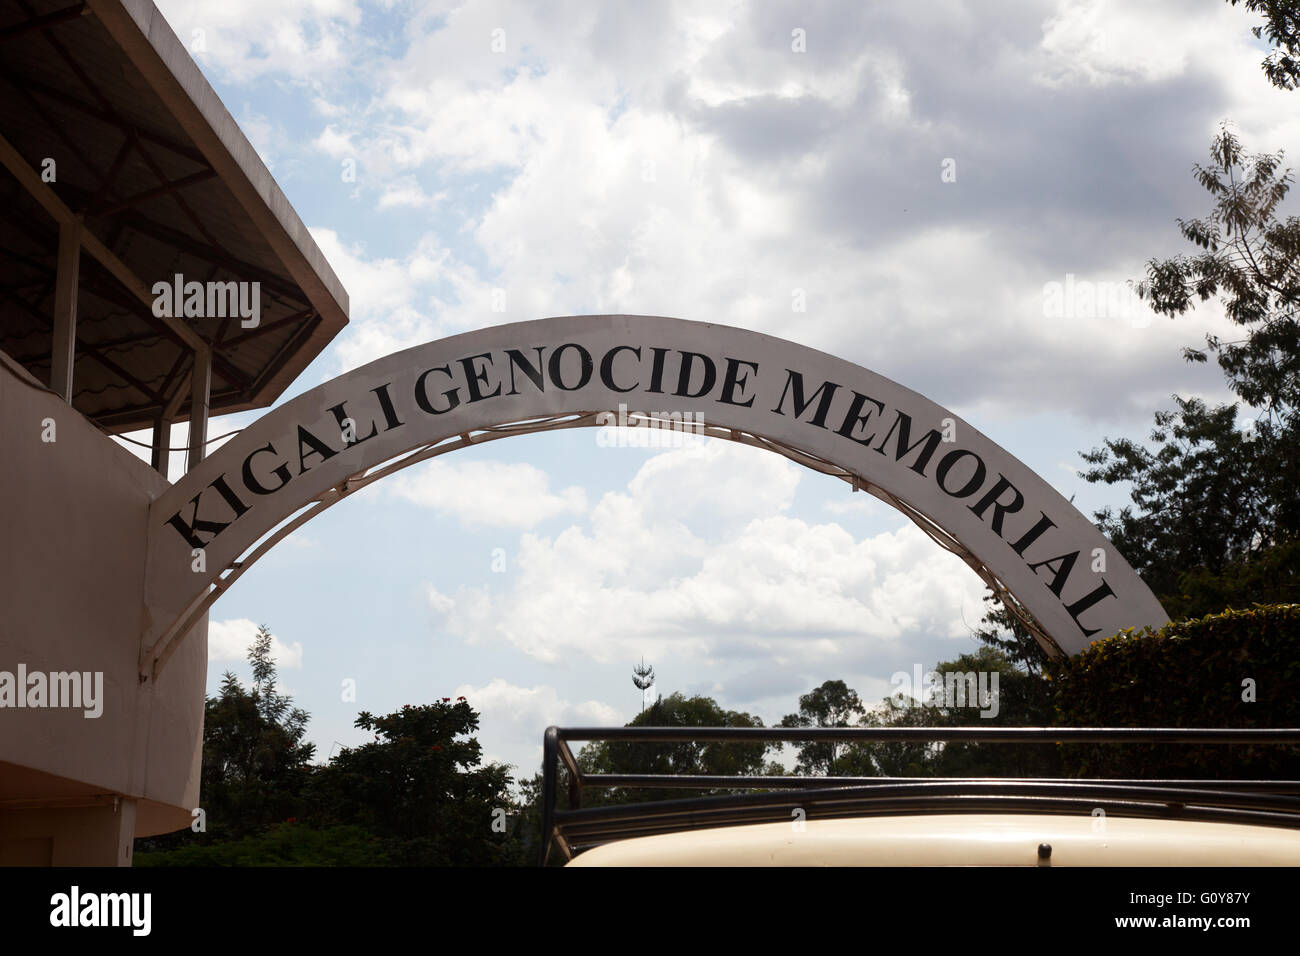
{"x":961,"y":840}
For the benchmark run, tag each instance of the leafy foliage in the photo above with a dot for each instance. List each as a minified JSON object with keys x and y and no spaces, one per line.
{"x":415,"y":795}
{"x":1188,"y":674}
{"x":1203,"y":505}
{"x":1215,"y":512}
{"x":1003,"y":632}
{"x":285,"y":844}
{"x":675,"y":710}
{"x":1250,"y":264}
{"x":420,"y":785}
{"x":256,"y":764}
{"x":1023,"y":700}
{"x":1282,"y":27}
{"x":833,"y":704}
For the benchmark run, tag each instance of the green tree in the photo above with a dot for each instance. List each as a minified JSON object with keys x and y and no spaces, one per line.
{"x":255,"y":762}
{"x":1024,"y":698}
{"x":1004,"y":632}
{"x":895,"y":758}
{"x":1282,"y":27}
{"x":675,"y":710}
{"x":1202,"y":506}
{"x":833,"y":704}
{"x":1249,"y":262}
{"x":421,"y":786}
{"x":292,"y":843}
{"x":1215,"y":517}
{"x":693,"y":757}
{"x":256,"y":765}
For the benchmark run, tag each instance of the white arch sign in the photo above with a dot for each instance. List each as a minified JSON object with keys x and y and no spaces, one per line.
{"x":970,"y":494}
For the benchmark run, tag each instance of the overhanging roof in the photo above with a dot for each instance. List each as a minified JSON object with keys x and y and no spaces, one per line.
{"x":166,"y":184}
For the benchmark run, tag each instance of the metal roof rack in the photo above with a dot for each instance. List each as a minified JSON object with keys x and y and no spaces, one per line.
{"x":769,"y":799}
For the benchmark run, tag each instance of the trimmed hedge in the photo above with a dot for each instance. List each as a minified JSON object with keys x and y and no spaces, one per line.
{"x":1190,"y":673}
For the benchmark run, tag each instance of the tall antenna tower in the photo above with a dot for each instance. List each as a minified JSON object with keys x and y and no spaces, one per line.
{"x":644,"y":678}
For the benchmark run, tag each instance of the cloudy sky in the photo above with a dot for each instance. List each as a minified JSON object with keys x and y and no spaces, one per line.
{"x":897,"y":184}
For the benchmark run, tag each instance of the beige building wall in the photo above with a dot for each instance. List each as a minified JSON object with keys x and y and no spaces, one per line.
{"x":73,"y":536}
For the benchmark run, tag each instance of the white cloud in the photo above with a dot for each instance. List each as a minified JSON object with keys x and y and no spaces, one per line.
{"x":406,"y":192}
{"x":514,"y":716}
{"x":536,"y":706}
{"x":610,"y":201}
{"x":438,"y":602}
{"x":597,"y":161}
{"x":247,"y":39}
{"x":726,"y":577}
{"x":487,"y":493}
{"x":856,"y":503}
{"x":1102,"y":42}
{"x":230,"y":641}
{"x":399,"y":302}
